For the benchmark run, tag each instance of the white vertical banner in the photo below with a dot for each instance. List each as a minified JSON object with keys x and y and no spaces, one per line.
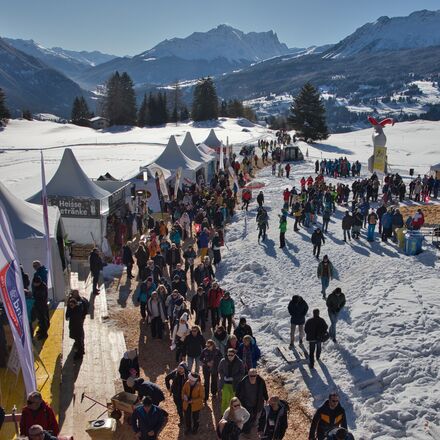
{"x":221,"y":164}
{"x":12,"y":296}
{"x":162,"y":184}
{"x":178,"y":180}
{"x":233,"y":176}
{"x":46,"y":227}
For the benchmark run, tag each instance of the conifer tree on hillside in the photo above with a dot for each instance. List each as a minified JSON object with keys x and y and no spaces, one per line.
{"x":307,"y":115}
{"x":120,"y":100}
{"x":176,"y":98}
{"x":205,"y":101}
{"x":143,"y":113}
{"x":4,"y":112}
{"x":184,"y":113}
{"x":80,"y":110}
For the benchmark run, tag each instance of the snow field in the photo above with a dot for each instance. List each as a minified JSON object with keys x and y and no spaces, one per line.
{"x":385,"y":364}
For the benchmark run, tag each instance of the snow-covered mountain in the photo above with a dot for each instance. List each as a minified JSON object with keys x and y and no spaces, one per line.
{"x":221,"y":42}
{"x":29,"y":83}
{"x":69,"y":62}
{"x":420,"y":29}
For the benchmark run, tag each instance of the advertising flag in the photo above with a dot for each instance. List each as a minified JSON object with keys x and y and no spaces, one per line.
{"x":178,"y":180}
{"x":46,"y":225}
{"x":12,"y":296}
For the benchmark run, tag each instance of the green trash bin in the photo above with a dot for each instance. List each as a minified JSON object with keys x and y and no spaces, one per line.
{"x":400,"y":234}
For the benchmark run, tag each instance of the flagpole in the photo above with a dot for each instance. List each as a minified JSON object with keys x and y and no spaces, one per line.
{"x":50,"y":284}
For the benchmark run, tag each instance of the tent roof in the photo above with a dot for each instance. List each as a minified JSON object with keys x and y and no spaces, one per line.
{"x":173,"y":158}
{"x":26,"y":218}
{"x":212,"y":140}
{"x":71,"y":180}
{"x":150,"y":170}
{"x":189,"y":148}
{"x":435,"y":167}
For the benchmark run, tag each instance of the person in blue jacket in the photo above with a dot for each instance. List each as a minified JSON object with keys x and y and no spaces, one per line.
{"x":145,"y":388}
{"x":387,"y":225}
{"x":249,"y":353}
{"x":148,"y":420}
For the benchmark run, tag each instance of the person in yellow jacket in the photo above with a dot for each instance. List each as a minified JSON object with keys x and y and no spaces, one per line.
{"x":192,"y":397}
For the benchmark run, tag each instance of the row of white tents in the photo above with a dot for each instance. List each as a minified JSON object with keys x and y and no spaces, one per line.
{"x":81,"y":205}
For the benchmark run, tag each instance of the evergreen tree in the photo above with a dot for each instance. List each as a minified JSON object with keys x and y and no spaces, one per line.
{"x":307,"y":115}
{"x":27,"y":114}
{"x":4,"y":112}
{"x":80,"y":110}
{"x":120,"y":100}
{"x":143,"y":113}
{"x":184,"y":113}
{"x":235,"y":108}
{"x":175,"y":102}
{"x":152,"y":110}
{"x":223,"y":111}
{"x":205,"y":101}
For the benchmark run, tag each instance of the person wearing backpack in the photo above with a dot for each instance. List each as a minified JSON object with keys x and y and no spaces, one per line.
{"x":273,"y":424}
{"x":77,"y":309}
{"x":262,"y":223}
{"x":316,"y":333}
{"x":325,"y":273}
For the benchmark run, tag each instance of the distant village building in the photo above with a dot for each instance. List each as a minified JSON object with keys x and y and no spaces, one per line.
{"x":98,"y":122}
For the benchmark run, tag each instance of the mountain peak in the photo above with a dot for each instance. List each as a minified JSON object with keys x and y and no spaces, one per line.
{"x":417,"y":30}
{"x":223,"y":41}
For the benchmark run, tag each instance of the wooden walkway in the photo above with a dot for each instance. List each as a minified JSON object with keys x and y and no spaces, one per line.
{"x":97,"y":374}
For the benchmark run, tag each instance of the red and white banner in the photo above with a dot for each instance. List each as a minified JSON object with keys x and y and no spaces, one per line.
{"x":12,"y":296}
{"x":48,"y":261}
{"x":162,"y":184}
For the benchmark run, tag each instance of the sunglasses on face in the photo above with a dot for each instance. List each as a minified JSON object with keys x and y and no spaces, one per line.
{"x":236,"y":406}
{"x":253,"y":376}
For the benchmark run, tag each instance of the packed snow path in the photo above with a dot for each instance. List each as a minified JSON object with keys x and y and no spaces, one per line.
{"x":386,"y":362}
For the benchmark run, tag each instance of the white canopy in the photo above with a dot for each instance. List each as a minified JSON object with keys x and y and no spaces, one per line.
{"x":212,"y":140}
{"x":189,"y":148}
{"x":26,"y":218}
{"x":205,"y":149}
{"x":28,"y":229}
{"x":172,"y":158}
{"x":435,"y":167}
{"x":70,"y":180}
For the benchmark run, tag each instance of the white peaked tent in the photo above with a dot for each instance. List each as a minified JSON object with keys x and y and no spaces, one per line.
{"x":83,"y":204}
{"x":172,"y":158}
{"x":28,"y":228}
{"x":212,"y":140}
{"x":435,"y":171}
{"x":189,"y":148}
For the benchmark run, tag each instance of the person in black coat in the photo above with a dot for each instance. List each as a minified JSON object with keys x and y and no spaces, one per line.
{"x":347,"y":223}
{"x":329,"y":416}
{"x":242,"y":330}
{"x":174,"y":382}
{"x":141,"y":260}
{"x":316,"y":332}
{"x":146,"y":388}
{"x":199,"y":306}
{"x":194,"y":344}
{"x":152,"y":271}
{"x":252,"y":392}
{"x":317,"y":240}
{"x":298,"y":310}
{"x":339,"y":434}
{"x":272,"y":424}
{"x":129,"y":367}
{"x":41,"y":309}
{"x":127,"y":259}
{"x":96,"y":266}
{"x":76,"y":312}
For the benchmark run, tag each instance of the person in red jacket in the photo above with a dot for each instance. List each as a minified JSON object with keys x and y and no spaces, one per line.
{"x":286,"y":195}
{"x":302,"y":182}
{"x":38,"y":412}
{"x":215,"y":294}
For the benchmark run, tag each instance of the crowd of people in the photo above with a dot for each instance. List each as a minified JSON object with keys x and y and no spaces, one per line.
{"x":181,"y":300}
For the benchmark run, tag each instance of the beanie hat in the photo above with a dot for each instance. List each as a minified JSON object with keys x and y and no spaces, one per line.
{"x":184,"y":317}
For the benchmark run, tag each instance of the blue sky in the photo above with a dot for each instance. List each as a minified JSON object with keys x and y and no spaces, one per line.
{"x":132,"y":26}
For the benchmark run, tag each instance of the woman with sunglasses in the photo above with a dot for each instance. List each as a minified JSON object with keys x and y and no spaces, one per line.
{"x":234,"y":418}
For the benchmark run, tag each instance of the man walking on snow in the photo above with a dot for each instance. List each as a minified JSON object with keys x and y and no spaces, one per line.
{"x":335,"y":303}
{"x":262,"y":223}
{"x":317,"y":240}
{"x":325,"y":273}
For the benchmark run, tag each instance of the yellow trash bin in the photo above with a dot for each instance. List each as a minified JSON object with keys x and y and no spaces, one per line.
{"x":102,"y":429}
{"x":400,"y":234}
